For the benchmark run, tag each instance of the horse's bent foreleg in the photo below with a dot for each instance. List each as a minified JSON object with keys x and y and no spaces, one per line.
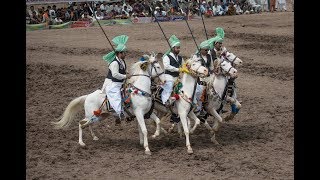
{"x":171,"y":128}
{"x":213,"y":138}
{"x":157,"y":121}
{"x":196,"y":119}
{"x":95,"y":138}
{"x":207,"y":125}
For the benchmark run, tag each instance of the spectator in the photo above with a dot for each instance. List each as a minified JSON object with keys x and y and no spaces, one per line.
{"x":28,"y":19}
{"x":125,"y":11}
{"x":67,"y":15}
{"x":272,"y":5}
{"x":209,"y":9}
{"x":282,"y":5}
{"x":203,"y":7}
{"x":175,"y":5}
{"x":217,"y":9}
{"x":159,"y":13}
{"x":34,"y":19}
{"x":57,"y":20}
{"x":52,"y":12}
{"x":264,"y":5}
{"x":238,"y":8}
{"x":130,"y":9}
{"x":255,"y":6}
{"x":45,"y":17}
{"x":32,"y":10}
{"x":231,"y":9}
{"x":103,"y":6}
{"x":86,"y":17}
{"x":78,"y":12}
{"x":99,"y":15}
{"x":118,"y":8}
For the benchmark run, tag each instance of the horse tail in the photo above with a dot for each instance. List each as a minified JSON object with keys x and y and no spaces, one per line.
{"x":70,"y":112}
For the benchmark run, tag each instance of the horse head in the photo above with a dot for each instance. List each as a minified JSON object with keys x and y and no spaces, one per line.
{"x":225,"y":68}
{"x":233,"y":59}
{"x":195,"y":66}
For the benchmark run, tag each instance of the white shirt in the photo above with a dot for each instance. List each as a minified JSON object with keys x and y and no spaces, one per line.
{"x":205,"y":60}
{"x":114,"y":68}
{"x":167,"y":66}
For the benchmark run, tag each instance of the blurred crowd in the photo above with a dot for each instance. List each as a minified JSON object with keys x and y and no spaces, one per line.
{"x":118,"y":9}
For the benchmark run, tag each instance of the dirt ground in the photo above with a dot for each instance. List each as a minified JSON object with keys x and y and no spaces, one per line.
{"x":257,"y":144}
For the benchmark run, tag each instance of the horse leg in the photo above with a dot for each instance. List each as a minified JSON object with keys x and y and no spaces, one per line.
{"x":140,"y":135}
{"x":189,"y":123}
{"x":179,"y":129}
{"x":80,"y":136}
{"x":197,"y":121}
{"x":95,"y":138}
{"x":183,"y":120}
{"x":144,"y":131}
{"x":213,"y":139}
{"x":171,"y":128}
{"x":207,"y":125}
{"x":157,"y":121}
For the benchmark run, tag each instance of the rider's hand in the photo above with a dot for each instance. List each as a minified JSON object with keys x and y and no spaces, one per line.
{"x":183,"y":70}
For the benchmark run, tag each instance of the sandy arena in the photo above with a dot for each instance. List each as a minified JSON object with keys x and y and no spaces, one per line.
{"x":256,"y":144}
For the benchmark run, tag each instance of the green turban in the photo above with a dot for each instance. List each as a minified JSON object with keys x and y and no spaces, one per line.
{"x":214,"y":40}
{"x":204,"y":45}
{"x":120,"y":41}
{"x":174,"y":41}
{"x":220,"y":32}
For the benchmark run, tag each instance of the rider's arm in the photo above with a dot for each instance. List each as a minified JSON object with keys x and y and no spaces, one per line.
{"x":167,"y":66}
{"x":114,"y":68}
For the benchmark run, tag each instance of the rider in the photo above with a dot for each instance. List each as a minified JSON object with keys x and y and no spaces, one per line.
{"x":172,"y":64}
{"x":116,"y":75}
{"x":217,"y":51}
{"x":206,"y":60}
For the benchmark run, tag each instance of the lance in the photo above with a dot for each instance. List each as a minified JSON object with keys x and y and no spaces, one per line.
{"x":159,"y":26}
{"x":186,"y":17}
{"x":205,"y":30}
{"x":94,"y":15}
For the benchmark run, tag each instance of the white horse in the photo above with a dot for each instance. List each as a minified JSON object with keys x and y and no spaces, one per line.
{"x":216,"y":85}
{"x":183,"y":105}
{"x":233,"y":59}
{"x":235,"y":62}
{"x":140,"y":81}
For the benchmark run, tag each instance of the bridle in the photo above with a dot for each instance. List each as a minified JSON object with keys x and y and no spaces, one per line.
{"x":194,"y":73}
{"x":150,"y":73}
{"x":226,"y":72}
{"x":231,"y":61}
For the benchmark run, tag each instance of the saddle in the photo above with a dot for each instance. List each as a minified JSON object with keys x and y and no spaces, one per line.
{"x":125,"y":104}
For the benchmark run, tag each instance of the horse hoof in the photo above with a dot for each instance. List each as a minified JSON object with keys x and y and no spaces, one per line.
{"x":82,"y":144}
{"x":148,"y":153}
{"x":215,"y":141}
{"x":190,"y":151}
{"x":95,"y":138}
{"x":154,"y":136}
